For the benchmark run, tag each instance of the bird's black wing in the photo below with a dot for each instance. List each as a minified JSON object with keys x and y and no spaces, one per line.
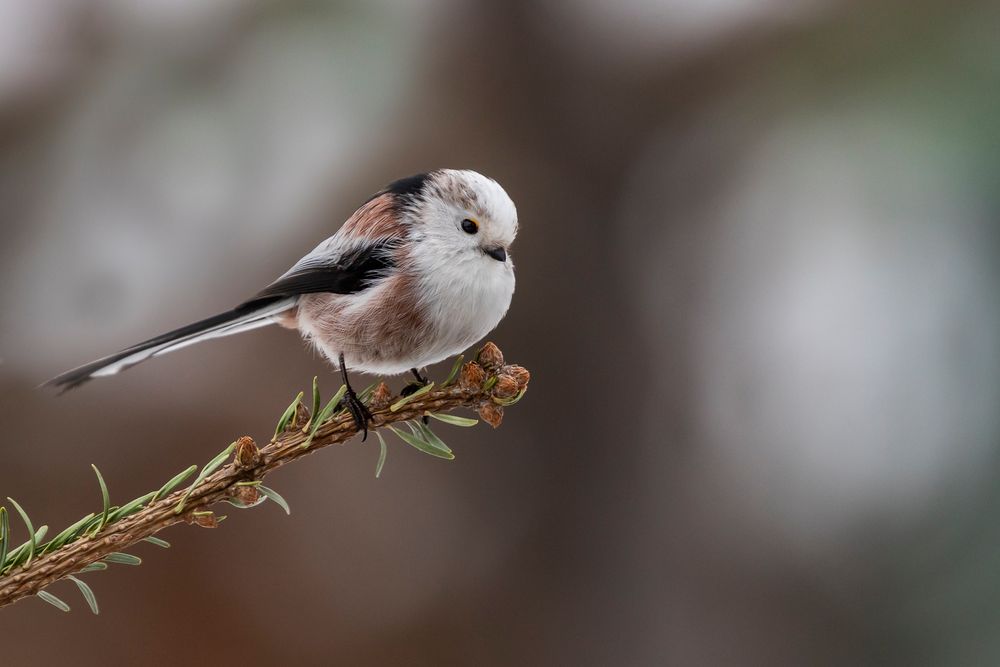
{"x":349,"y":273}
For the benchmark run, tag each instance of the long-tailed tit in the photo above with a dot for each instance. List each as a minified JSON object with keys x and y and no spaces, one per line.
{"x":417,"y":274}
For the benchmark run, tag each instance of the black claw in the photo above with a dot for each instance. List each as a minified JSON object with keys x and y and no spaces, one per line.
{"x":411,"y":388}
{"x":414,"y":387}
{"x":359,"y":411}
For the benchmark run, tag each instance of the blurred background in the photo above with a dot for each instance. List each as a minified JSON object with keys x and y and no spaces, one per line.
{"x":757,"y":291}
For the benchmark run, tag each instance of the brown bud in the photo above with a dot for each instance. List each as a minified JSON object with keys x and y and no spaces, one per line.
{"x":472,"y":376}
{"x":381,"y":397}
{"x":246,"y":494}
{"x":247,"y":454}
{"x":506,"y":387}
{"x":490,"y":358}
{"x":519,"y":373}
{"x":491,"y":413}
{"x":204,"y":519}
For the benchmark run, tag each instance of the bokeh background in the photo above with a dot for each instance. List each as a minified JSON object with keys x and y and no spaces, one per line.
{"x":757,"y":290}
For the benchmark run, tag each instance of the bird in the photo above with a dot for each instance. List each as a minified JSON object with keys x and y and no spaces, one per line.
{"x":418,"y":273}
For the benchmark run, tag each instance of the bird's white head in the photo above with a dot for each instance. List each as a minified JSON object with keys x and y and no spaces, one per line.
{"x":468,"y":216}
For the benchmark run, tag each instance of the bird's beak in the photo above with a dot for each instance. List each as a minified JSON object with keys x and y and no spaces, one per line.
{"x":498,"y":253}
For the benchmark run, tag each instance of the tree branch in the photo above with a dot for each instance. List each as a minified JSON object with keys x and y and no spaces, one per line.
{"x":485,"y":385}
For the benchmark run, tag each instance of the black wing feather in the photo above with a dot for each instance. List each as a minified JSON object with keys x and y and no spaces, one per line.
{"x":350,"y":274}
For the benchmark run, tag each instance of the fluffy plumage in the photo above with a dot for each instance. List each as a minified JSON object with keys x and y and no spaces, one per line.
{"x":401,"y":284}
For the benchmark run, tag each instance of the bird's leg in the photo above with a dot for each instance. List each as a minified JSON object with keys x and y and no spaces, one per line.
{"x":359,"y":411}
{"x":416,"y":386}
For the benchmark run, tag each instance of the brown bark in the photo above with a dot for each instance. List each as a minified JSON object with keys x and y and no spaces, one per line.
{"x":248,"y":463}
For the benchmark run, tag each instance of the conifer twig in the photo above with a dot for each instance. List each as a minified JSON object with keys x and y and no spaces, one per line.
{"x":485,"y":385}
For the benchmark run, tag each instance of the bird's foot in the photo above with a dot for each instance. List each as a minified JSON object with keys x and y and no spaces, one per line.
{"x":359,"y":412}
{"x":414,"y":387}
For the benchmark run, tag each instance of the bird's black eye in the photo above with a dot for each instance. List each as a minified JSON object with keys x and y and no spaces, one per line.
{"x":469,"y":226}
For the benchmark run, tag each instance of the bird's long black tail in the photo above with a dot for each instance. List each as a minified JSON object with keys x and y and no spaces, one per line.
{"x":250,"y":315}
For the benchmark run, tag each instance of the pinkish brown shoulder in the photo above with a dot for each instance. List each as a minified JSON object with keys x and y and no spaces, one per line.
{"x":377,"y":219}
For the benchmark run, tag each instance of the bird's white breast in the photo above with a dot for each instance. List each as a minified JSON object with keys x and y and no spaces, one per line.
{"x":463,"y":301}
